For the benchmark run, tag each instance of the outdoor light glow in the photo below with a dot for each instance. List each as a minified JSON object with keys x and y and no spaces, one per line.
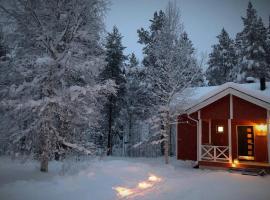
{"x":144,"y":185}
{"x":233,"y":165}
{"x":220,"y":129}
{"x":261,"y":129}
{"x":154,"y":178}
{"x":236,"y":162}
{"x":123,"y":192}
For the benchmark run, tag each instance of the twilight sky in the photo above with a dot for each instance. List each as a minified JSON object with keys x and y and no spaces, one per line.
{"x":203,"y":19}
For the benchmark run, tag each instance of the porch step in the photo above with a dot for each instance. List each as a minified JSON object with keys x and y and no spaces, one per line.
{"x":248,"y":171}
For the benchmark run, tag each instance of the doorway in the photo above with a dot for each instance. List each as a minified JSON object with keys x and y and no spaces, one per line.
{"x":245,"y":142}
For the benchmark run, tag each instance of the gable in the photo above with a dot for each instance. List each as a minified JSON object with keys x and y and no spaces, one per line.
{"x":220,"y":109}
{"x":222,"y":93}
{"x":244,"y":110}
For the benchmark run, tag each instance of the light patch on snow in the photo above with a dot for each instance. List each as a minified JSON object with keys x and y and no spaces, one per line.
{"x":96,"y":179}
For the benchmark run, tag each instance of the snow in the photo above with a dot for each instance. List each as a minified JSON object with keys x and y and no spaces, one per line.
{"x":44,"y":60}
{"x":97,"y":179}
{"x":191,"y":96}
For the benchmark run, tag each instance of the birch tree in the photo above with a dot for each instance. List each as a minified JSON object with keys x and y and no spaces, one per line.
{"x":173,"y":68}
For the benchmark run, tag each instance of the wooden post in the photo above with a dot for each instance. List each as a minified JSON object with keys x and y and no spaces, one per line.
{"x":215,"y":153}
{"x":209,"y":136}
{"x":230,"y":139}
{"x":176,"y":142}
{"x":200,"y":136}
{"x":268,"y":134}
{"x":230,"y":128}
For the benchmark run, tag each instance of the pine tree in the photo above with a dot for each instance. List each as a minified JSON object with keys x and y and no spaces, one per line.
{"x":147,"y":38}
{"x":114,"y":70}
{"x":251,"y":44}
{"x":133,"y":62}
{"x":268,"y":47}
{"x":222,"y":60}
{"x":132,"y":86}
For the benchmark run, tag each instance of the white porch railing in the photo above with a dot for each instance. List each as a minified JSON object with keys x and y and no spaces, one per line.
{"x":215,"y":153}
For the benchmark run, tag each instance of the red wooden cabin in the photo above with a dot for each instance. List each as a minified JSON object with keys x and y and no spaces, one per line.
{"x":228,"y":126}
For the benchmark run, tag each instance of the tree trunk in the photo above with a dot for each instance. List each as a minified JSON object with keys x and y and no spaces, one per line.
{"x":46,"y":127}
{"x":129,"y":133}
{"x":167,"y":138}
{"x":44,"y":163}
{"x":109,"y":145}
{"x":44,"y":157}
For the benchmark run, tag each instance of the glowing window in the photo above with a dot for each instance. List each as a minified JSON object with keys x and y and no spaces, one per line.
{"x":249,"y":141}
{"x":249,"y":130}
{"x":220,"y":129}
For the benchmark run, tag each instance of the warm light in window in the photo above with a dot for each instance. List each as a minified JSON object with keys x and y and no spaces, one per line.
{"x":261,"y":129}
{"x":220,"y":129}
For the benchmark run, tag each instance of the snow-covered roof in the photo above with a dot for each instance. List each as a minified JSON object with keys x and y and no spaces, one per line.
{"x":192,"y":97}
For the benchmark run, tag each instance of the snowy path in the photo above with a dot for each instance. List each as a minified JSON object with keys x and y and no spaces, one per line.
{"x":96,"y":180}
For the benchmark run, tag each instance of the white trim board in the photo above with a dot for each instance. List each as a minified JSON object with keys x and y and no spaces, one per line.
{"x":268,"y":134}
{"x":176,"y":136}
{"x":224,"y":93}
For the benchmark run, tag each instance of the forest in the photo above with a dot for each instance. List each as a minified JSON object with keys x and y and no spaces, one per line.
{"x":68,"y":89}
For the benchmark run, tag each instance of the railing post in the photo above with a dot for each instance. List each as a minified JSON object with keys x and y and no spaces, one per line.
{"x":215,"y":153}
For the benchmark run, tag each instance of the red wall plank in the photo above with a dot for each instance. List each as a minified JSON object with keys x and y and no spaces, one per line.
{"x":187,"y":138}
{"x":217,"y":110}
{"x":244,"y":110}
{"x":205,"y":132}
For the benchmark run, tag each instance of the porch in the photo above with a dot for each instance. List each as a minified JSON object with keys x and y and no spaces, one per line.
{"x":233,"y":143}
{"x":218,"y":157}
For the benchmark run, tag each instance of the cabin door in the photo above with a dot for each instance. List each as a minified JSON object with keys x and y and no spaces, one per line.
{"x":245,"y":142}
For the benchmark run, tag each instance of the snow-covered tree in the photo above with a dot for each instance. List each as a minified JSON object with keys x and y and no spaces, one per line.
{"x":133,"y":61}
{"x":114,"y":70}
{"x":148,"y":38}
{"x":171,"y":66}
{"x":222,"y":60}
{"x":3,"y":48}
{"x":136,"y":102}
{"x":251,"y":44}
{"x":268,"y":47}
{"x":54,"y":102}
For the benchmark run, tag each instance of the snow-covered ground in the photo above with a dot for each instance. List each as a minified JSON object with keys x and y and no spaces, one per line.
{"x":96,"y":179}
